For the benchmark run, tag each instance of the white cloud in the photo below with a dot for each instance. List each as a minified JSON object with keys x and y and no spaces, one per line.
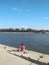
{"x":21,"y":10}
{"x":46,"y":18}
{"x":15,"y":9}
{"x":25,"y":26}
{"x":1,"y":26}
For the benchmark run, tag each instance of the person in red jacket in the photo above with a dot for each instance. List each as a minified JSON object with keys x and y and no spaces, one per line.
{"x":22,"y":47}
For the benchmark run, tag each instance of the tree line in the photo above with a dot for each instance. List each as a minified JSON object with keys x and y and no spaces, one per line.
{"x":23,"y":30}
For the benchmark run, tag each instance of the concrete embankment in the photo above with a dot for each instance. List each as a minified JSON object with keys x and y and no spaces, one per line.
{"x":10,"y":56}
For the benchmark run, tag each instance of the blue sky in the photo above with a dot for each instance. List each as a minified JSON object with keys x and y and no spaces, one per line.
{"x":24,"y":13}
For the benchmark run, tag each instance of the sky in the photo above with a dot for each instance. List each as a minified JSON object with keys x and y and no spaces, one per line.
{"x":24,"y":14}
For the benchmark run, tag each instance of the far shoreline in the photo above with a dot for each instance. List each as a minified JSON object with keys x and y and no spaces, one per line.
{"x":18,"y":32}
{"x":23,"y":33}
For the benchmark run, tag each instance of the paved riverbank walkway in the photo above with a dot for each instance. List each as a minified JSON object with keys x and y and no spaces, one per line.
{"x":10,"y":56}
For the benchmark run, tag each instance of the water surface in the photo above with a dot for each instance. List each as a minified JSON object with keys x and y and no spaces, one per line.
{"x":35,"y":42}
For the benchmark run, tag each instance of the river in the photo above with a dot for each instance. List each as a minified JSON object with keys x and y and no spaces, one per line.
{"x":35,"y":42}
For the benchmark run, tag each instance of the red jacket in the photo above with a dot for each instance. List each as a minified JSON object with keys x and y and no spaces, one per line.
{"x":22,"y":48}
